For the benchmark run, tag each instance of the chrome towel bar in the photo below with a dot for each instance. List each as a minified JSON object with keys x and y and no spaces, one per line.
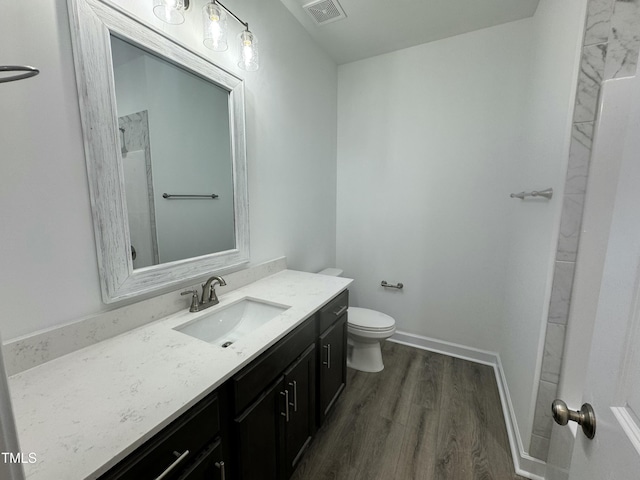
{"x":172,"y":195}
{"x":384,"y":283}
{"x":548,"y":193}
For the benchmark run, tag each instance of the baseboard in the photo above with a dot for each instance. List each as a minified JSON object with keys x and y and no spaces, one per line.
{"x":524,"y":464}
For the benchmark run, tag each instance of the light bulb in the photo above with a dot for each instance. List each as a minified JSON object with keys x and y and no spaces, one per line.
{"x":248,"y":51}
{"x":170,"y":11}
{"x":214,"y":27}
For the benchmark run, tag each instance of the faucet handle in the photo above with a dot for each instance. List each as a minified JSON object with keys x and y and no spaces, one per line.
{"x":194,"y":300}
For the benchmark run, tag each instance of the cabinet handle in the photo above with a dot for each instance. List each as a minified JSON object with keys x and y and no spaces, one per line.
{"x":286,"y":405}
{"x":294,"y":384}
{"x":328,"y":362}
{"x":220,"y":465}
{"x":341,"y":311}
{"x":173,"y":465}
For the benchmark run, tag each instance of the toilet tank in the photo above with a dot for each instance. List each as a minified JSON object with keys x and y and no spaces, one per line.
{"x":332,"y":272}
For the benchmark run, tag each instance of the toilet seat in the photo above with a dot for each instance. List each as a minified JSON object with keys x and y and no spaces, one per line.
{"x":371,"y":324}
{"x":369,"y":320}
{"x":355,"y":328}
{"x":370,"y":336}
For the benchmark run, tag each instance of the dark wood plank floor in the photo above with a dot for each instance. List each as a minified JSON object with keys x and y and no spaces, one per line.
{"x":426,"y":416}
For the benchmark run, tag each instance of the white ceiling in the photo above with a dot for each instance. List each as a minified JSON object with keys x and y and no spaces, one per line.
{"x":373,"y":27}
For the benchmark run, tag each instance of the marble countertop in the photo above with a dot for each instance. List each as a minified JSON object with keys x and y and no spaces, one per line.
{"x":84,"y":412}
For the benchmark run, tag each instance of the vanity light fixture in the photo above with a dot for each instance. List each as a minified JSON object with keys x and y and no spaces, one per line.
{"x":214,"y":27}
{"x":249,"y":51}
{"x":170,"y":11}
{"x":214,"y":21}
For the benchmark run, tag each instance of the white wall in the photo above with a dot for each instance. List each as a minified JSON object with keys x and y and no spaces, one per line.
{"x":432,"y":140}
{"x":48,"y":268}
{"x":426,"y":138}
{"x":541,"y":162}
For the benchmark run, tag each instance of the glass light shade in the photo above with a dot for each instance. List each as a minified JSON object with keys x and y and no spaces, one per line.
{"x":248,"y":51}
{"x":170,"y":11}
{"x":214,"y":27}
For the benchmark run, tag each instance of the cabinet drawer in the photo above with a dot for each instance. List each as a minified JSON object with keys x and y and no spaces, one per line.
{"x":209,"y":465}
{"x":189,"y":433}
{"x":249,"y":383}
{"x":332,"y":310}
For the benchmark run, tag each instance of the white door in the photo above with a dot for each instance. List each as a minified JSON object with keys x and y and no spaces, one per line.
{"x":613,"y":376}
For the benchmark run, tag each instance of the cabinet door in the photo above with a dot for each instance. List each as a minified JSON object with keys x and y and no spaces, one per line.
{"x":259,"y":433}
{"x":300,"y":380}
{"x":332,"y":365}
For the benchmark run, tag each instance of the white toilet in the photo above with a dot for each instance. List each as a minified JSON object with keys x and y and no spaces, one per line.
{"x":367,"y":329}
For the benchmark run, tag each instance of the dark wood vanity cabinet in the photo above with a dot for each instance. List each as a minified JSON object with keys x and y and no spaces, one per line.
{"x":257,"y":425}
{"x":274,"y":430}
{"x":332,"y":348}
{"x":181,"y":451}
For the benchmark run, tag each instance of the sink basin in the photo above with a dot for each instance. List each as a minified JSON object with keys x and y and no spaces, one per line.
{"x":222,"y":327}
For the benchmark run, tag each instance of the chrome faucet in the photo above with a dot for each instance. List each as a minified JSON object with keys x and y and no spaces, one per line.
{"x":208,"y":298}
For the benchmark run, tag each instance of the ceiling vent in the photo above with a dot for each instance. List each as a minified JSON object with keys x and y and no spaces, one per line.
{"x":325,"y":11}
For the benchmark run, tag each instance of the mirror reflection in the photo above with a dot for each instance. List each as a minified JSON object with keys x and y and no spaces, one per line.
{"x":174,"y":132}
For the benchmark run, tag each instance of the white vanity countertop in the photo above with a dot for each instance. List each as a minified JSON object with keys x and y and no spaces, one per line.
{"x":84,"y":412}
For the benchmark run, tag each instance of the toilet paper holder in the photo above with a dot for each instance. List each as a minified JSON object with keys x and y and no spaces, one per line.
{"x":398,"y":285}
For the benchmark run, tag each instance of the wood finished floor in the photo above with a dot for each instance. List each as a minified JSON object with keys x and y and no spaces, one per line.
{"x":426,"y":416}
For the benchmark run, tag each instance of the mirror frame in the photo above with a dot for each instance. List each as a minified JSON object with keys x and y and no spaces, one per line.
{"x":92,"y":23}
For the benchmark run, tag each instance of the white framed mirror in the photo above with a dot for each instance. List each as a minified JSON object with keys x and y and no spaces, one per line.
{"x":165,"y":148}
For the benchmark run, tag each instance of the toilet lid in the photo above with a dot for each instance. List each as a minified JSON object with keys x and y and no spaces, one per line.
{"x":369,"y":319}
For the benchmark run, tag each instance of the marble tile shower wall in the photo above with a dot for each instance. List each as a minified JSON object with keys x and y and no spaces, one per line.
{"x":610,"y":50}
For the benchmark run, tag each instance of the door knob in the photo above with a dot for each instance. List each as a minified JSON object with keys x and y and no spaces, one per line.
{"x":585,"y":417}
